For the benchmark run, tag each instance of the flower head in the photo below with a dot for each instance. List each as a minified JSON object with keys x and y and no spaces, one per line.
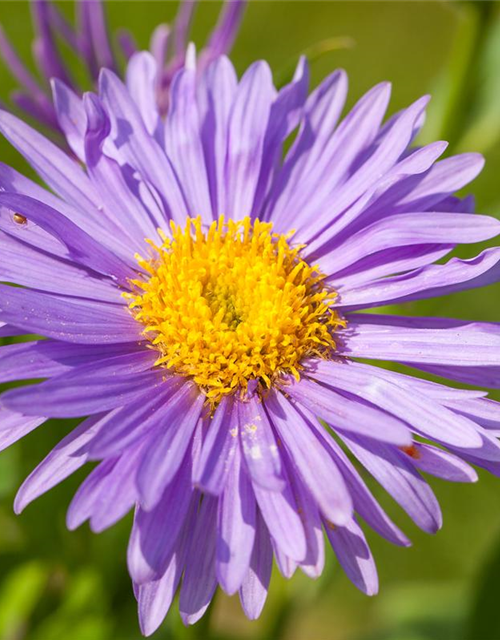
{"x":91,"y":42}
{"x":202,"y":297}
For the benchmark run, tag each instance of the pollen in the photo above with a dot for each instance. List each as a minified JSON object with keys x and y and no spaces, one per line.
{"x":233,"y":303}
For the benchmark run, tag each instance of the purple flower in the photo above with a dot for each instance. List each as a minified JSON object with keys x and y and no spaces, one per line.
{"x":203,"y":299}
{"x":91,"y":43}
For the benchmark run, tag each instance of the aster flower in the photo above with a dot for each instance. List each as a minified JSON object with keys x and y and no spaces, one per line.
{"x":91,"y":43}
{"x":203,"y":298}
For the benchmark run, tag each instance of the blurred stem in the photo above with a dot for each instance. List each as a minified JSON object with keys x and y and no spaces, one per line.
{"x":279,"y":625}
{"x":467,"y":50}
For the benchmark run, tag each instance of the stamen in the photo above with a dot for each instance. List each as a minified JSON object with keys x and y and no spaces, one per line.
{"x":233,"y":304}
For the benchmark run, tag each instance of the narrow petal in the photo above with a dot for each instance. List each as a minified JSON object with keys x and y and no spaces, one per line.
{"x":430,"y":281}
{"x":70,"y":116}
{"x":364,"y":502}
{"x":82,"y":248}
{"x":259,"y":446}
{"x":308,"y":455}
{"x":28,"y":267}
{"x":235,"y":528}
{"x":199,"y":582}
{"x":282,"y":517}
{"x":396,"y":474}
{"x":389,"y":338}
{"x":221,"y":442}
{"x":155,"y":598}
{"x":169,"y":445}
{"x":155,"y":531}
{"x":349,"y":414}
{"x":69,"y":321}
{"x":247,"y":129}
{"x":215,"y":95}
{"x":253,"y":591}
{"x":14,"y":426}
{"x":440,"y":463}
{"x":57,"y":170}
{"x":425,"y":415}
{"x":354,"y":556}
{"x":410,"y":229}
{"x":125,"y":425}
{"x":61,"y":462}
{"x":137,"y":147}
{"x":48,"y":358}
{"x":321,"y":113}
{"x":183,"y":145}
{"x":141,"y":83}
{"x":88,"y":389}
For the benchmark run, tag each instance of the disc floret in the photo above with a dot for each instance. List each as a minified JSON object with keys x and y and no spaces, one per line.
{"x":233,"y":304}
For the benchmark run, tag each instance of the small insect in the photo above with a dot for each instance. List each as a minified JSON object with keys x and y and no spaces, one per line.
{"x":19,"y":219}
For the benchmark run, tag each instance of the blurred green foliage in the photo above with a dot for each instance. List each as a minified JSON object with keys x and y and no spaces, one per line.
{"x":56,"y":585}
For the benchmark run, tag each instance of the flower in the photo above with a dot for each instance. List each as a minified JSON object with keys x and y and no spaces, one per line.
{"x":203,"y":299}
{"x":91,"y":43}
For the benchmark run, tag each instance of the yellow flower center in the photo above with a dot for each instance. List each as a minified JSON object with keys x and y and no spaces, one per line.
{"x":232,"y":305}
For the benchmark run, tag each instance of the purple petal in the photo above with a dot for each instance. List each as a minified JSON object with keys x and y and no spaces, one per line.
{"x":82,"y":248}
{"x":433,"y":280}
{"x":235,"y":528}
{"x":309,"y":456}
{"x":155,"y":598}
{"x":387,"y":338}
{"x":363,"y":178}
{"x":141,"y":84}
{"x":314,"y":561}
{"x":225,"y":31}
{"x":61,"y":462}
{"x":70,"y":116}
{"x":287,"y":567}
{"x":118,"y":200}
{"x":259,"y":446}
{"x":321,"y":113}
{"x":221,"y":442}
{"x":253,"y":591}
{"x":282,"y":517}
{"x":199,"y":582}
{"x":410,"y":229}
{"x":31,"y":268}
{"x":169,"y":444}
{"x":183,"y":144}
{"x":155,"y":531}
{"x":97,"y":26}
{"x":57,"y":170}
{"x":247,"y":129}
{"x":354,"y":556}
{"x":284,"y":117}
{"x":48,"y":358}
{"x":124,"y":426}
{"x":137,"y":147}
{"x":364,"y":502}
{"x":216,"y":92}
{"x":391,"y":468}
{"x":88,"y":389}
{"x":107,"y":494}
{"x":440,"y":463}
{"x":424,"y":414}
{"x":349,"y":414}
{"x":69,"y":321}
{"x":32,"y":234}
{"x":14,"y":426}
{"x":444,"y":178}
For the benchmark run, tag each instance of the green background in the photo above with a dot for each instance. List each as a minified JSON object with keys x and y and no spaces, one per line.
{"x":60,"y":585}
